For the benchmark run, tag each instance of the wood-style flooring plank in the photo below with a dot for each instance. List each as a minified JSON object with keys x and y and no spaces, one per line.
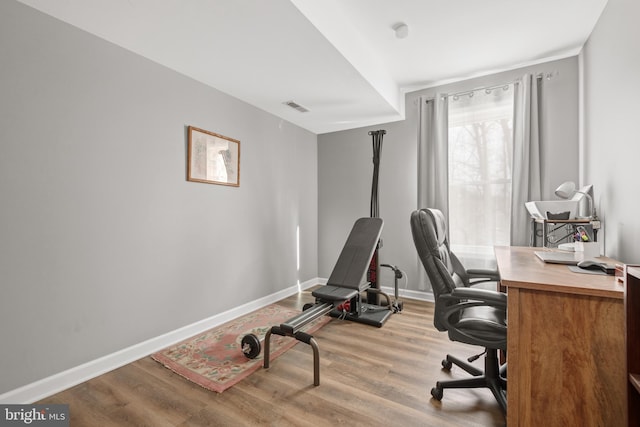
{"x":368,"y":377}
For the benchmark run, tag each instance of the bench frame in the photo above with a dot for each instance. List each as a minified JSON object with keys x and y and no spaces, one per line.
{"x":344,"y":285}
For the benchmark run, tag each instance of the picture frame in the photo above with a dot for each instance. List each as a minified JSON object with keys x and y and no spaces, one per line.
{"x":213,"y":158}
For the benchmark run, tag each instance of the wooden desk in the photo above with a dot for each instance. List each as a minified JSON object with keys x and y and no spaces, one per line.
{"x":565,"y":344}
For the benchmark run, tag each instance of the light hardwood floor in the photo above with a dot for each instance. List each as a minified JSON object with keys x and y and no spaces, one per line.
{"x":368,"y":376}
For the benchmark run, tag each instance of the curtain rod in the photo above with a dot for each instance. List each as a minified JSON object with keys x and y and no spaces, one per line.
{"x":538,"y":76}
{"x":504,"y":86}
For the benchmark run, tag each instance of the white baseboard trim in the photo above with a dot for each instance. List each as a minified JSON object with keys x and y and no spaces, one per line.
{"x":410,"y":294}
{"x":61,"y":381}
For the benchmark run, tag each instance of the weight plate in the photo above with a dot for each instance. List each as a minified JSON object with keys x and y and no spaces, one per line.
{"x":251,"y":346}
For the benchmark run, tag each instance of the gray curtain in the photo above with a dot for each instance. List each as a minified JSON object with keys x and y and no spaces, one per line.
{"x":433,"y":170}
{"x":526,"y":180}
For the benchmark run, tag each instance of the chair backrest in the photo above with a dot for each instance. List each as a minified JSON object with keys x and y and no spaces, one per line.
{"x":445,"y":272}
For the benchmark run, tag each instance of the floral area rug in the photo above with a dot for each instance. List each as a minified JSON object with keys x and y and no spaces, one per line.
{"x":214,"y":359}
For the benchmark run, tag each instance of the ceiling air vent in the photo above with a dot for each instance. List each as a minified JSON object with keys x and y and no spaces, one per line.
{"x":296,"y":106}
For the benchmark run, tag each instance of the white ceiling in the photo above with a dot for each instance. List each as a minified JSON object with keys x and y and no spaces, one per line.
{"x":338,"y":58}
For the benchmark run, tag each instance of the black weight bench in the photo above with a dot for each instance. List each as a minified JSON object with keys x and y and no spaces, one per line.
{"x":344,"y":284}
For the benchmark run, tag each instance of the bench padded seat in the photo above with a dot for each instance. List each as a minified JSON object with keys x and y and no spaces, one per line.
{"x":334,"y":293}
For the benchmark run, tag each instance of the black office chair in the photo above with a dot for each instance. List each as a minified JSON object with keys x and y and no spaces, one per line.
{"x":469,"y":314}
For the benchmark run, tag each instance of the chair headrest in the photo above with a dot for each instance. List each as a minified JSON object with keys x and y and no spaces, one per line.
{"x":429,"y":231}
{"x":440,"y":224}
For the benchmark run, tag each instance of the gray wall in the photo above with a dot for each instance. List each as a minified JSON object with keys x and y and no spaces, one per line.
{"x":345,"y":166}
{"x":611,"y":61}
{"x":103,"y":243}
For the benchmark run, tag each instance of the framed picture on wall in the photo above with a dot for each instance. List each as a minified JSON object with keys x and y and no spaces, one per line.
{"x":213,"y":158}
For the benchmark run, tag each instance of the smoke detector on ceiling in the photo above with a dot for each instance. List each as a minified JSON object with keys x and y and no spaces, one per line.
{"x":401,"y":29}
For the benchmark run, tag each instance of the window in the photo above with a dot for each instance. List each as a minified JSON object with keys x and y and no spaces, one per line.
{"x":480,"y":162}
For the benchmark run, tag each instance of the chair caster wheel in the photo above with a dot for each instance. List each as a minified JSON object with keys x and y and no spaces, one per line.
{"x":447,"y":365}
{"x":437,"y":392}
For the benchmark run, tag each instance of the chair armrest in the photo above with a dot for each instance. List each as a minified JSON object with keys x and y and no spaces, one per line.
{"x":476,"y":273}
{"x":491,"y":298}
{"x":482,"y":327}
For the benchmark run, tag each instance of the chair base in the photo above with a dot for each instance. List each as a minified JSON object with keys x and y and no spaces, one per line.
{"x":491,"y":378}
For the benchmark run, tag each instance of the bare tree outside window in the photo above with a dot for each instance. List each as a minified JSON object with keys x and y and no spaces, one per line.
{"x":480,"y":162}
